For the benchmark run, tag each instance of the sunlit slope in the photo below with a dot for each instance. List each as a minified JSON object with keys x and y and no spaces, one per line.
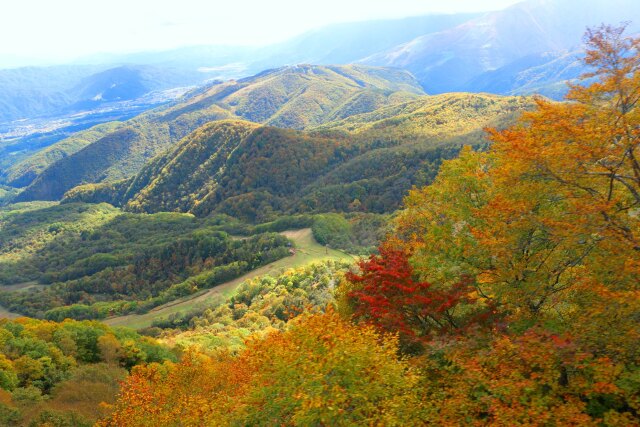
{"x":366,"y":162}
{"x":307,"y":251}
{"x":291,"y":97}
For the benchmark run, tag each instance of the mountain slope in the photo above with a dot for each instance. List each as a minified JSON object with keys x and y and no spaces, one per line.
{"x":544,"y":74}
{"x":294,"y":97}
{"x":348,"y":42}
{"x":306,"y":95}
{"x":45,"y":91}
{"x":22,"y":173}
{"x":441,"y":116}
{"x":227,"y":160}
{"x":449,"y":60}
{"x":34,"y":91}
{"x":254,"y":172}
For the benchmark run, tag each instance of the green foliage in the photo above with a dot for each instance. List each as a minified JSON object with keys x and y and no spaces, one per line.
{"x":355,"y":233}
{"x":59,"y":373}
{"x":440,"y":116}
{"x":295,"y":97}
{"x":258,"y":306}
{"x":332,"y":229}
{"x":28,"y":228}
{"x":7,"y":194}
{"x":93,"y":261}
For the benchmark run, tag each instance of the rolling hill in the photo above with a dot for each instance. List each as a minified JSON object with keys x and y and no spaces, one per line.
{"x":292,"y":97}
{"x":441,"y":116}
{"x":254,"y":172}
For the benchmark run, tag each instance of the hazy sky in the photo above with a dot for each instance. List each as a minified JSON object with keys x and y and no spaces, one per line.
{"x":63,"y":29}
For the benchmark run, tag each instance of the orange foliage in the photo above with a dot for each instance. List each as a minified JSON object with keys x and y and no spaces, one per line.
{"x":322,"y":371}
{"x":545,"y":226}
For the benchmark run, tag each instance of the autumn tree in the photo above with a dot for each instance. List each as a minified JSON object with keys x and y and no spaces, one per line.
{"x":545,"y":223}
{"x":322,"y":371}
{"x":551,"y":208}
{"x":386,"y":294}
{"x":537,"y":378}
{"x":586,"y":150}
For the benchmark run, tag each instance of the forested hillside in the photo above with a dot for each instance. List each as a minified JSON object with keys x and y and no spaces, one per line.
{"x":91,"y":261}
{"x":506,"y":294}
{"x":294,"y":97}
{"x":331,"y":246}
{"x":363,"y":163}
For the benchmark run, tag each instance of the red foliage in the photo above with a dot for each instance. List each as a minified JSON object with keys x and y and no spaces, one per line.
{"x":388,"y":297}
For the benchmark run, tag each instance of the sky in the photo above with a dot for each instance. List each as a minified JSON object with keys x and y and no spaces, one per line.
{"x":56,"y":30}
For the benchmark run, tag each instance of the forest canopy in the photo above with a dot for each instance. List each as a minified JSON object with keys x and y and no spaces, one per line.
{"x":506,"y":295}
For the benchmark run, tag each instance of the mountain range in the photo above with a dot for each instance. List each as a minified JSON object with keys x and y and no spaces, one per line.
{"x":364,"y":162}
{"x":293,"y":97}
{"x":484,"y":53}
{"x":500,"y":52}
{"x":385,"y":98}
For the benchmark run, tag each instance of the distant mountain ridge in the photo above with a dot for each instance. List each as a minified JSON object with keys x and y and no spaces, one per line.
{"x":34,"y":92}
{"x":291,"y":97}
{"x":464,"y":57}
{"x":457,"y":52}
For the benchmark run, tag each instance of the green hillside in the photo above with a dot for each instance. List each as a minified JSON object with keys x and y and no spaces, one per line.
{"x":255,"y":172}
{"x":302,"y":96}
{"x":308,"y":252}
{"x":90,"y":260}
{"x":22,"y":173}
{"x":93,"y":261}
{"x":291,"y":97}
{"x":115,"y":155}
{"x":439,"y":116}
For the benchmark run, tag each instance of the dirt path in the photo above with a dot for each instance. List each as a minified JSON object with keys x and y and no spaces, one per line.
{"x":307,"y":251}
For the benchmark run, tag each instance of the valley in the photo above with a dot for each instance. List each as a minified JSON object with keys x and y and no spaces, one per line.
{"x":405,"y":221}
{"x":307,"y":251}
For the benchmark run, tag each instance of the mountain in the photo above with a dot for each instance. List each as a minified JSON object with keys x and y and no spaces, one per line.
{"x":349,"y":42}
{"x":293,"y":97}
{"x":544,"y":74}
{"x":495,"y":52}
{"x":452,"y":59}
{"x":117,"y":84}
{"x":44,"y":91}
{"x":253,"y":171}
{"x":433,"y":117}
{"x":35,"y":91}
{"x":301,"y":96}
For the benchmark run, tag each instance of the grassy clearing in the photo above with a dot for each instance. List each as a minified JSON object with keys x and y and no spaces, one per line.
{"x":22,"y":286}
{"x":307,"y":251}
{"x":6,"y":314}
